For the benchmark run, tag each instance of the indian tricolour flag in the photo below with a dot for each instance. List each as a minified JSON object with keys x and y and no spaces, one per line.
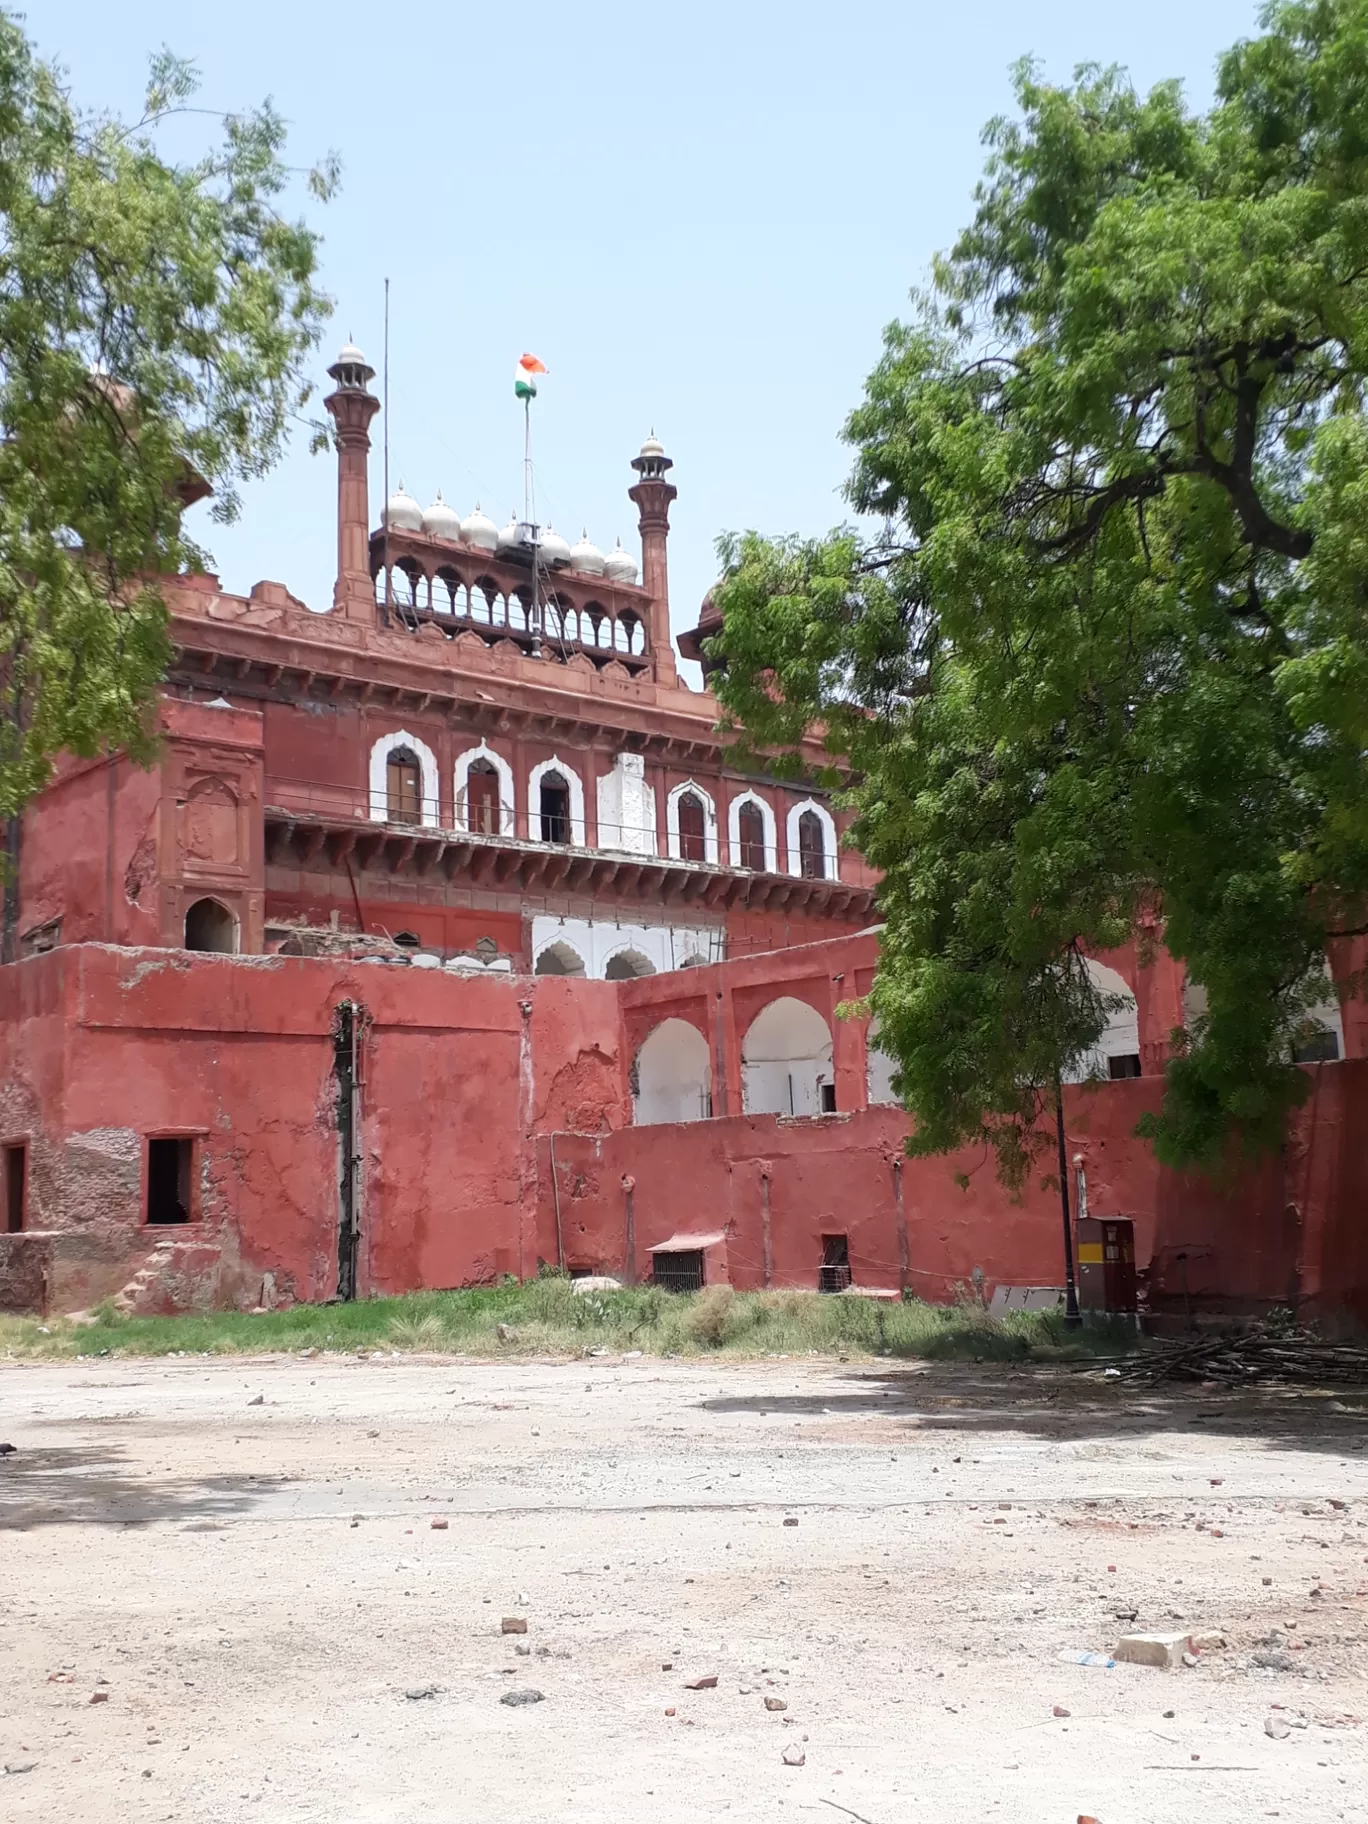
{"x":525,"y":376}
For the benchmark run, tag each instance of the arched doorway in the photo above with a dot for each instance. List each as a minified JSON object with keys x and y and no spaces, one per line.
{"x":210,"y":926}
{"x":555,"y":808}
{"x":750,"y":824}
{"x":811,"y":847}
{"x":482,"y":798}
{"x":786,"y":1061}
{"x":403,"y":787}
{"x":672,"y":1076}
{"x":693,"y":828}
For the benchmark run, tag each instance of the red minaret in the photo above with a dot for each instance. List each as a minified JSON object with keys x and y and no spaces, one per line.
{"x":653,"y":494}
{"x":353,"y":406}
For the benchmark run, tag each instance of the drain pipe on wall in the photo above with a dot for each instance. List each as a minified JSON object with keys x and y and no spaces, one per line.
{"x":629,"y":1189}
{"x":766,"y":1238}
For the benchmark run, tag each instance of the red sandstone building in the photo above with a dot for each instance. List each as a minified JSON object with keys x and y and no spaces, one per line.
{"x":490,"y":763}
{"x":478,"y":768}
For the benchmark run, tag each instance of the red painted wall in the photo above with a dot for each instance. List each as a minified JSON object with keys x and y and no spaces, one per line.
{"x":467,"y":1084}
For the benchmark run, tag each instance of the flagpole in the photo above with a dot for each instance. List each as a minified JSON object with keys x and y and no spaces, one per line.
{"x":527,"y":521}
{"x":386,"y":415}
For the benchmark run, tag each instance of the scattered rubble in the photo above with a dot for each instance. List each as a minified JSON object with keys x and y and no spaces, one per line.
{"x":528,"y":1695}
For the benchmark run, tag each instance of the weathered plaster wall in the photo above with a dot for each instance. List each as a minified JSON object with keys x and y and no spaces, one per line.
{"x":467,"y":1084}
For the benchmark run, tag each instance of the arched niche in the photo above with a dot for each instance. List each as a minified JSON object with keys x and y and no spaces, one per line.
{"x":211,"y":823}
{"x":627,"y":965}
{"x":211,"y":926}
{"x":560,"y":958}
{"x":786,"y":1061}
{"x":672,"y":1076}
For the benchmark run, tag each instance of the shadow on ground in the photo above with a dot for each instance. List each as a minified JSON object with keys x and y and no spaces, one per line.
{"x":96,"y":1487}
{"x":1069,"y":1407}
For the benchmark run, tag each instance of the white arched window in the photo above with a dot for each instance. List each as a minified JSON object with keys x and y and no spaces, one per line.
{"x":786,"y":1061}
{"x":547,"y":822}
{"x":683,"y":842}
{"x":742,"y":848}
{"x":559,"y":958}
{"x":810,"y":830}
{"x":672,"y":1076}
{"x":483,"y":757}
{"x":628,"y":963}
{"x":401,"y":743}
{"x":1117,"y":1052}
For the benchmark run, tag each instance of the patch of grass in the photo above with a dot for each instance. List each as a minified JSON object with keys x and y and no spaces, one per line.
{"x":547,"y":1317}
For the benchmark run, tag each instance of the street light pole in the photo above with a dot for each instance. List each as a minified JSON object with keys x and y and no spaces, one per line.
{"x":1072,"y":1316}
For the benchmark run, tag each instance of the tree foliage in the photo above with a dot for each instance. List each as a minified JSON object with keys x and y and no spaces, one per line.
{"x":1103,"y":669}
{"x":154,"y":321}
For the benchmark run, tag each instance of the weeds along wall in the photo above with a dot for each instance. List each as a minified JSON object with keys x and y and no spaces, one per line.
{"x":491,"y":1128}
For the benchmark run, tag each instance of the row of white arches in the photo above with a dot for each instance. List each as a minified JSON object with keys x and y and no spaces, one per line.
{"x":404,"y":789}
{"x":786,"y":1061}
{"x":484,"y":604}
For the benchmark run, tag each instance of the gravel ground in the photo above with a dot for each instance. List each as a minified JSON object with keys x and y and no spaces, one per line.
{"x":273,"y":1590}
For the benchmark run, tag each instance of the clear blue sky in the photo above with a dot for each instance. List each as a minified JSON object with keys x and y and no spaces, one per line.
{"x":699,"y":215}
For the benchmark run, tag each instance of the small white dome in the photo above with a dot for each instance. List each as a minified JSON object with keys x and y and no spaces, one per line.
{"x":586,"y":558}
{"x":554,"y":549}
{"x":508,"y":538}
{"x":653,"y":446}
{"x":619,"y":565}
{"x":440,"y":521}
{"x":402,"y":512}
{"x":349,"y":355}
{"x":480,"y":530}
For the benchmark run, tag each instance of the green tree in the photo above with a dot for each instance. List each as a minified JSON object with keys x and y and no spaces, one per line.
{"x":1103,"y":667}
{"x":154,"y":323}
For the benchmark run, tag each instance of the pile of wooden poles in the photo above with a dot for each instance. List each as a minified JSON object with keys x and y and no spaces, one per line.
{"x":1248,"y":1356}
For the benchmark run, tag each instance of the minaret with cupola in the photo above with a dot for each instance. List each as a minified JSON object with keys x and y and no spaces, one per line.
{"x":653,"y":495}
{"x":352,"y":405}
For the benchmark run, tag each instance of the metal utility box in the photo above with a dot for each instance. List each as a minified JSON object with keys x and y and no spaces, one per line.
{"x":1106,"y":1264}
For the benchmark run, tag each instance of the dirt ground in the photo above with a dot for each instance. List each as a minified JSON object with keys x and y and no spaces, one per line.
{"x":223,"y":1594}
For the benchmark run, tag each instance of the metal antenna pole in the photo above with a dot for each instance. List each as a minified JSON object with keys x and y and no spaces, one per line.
{"x":385,"y":390}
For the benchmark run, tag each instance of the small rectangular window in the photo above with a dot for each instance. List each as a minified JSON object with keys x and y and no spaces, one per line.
{"x":834,"y":1273}
{"x":170,"y":1165}
{"x":16,"y":1185}
{"x":678,"y":1272}
{"x":1320,"y":1048}
{"x":828,"y":1098}
{"x":1125,"y":1064}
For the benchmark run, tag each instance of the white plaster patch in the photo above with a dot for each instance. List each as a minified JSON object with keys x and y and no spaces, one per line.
{"x":627,"y":808}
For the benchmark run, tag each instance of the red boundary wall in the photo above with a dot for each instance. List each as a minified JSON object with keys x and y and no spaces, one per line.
{"x":468,"y":1084}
